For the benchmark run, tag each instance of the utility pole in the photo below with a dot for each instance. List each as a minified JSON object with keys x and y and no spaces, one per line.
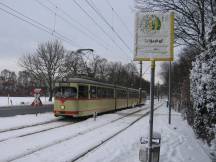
{"x":169,"y":96}
{"x":140,"y":83}
{"x":152,"y":109}
{"x":158,"y":91}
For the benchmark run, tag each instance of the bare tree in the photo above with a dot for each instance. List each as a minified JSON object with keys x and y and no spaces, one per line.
{"x":45,"y":63}
{"x":74,"y":64}
{"x":24,"y":83}
{"x":24,"y":78}
{"x":91,"y":64}
{"x":132,"y":72}
{"x":9,"y":80}
{"x":102,"y":73}
{"x":114,"y":69}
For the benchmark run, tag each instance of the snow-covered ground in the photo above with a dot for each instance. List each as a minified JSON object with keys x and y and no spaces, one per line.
{"x":7,"y":123}
{"x":5,"y":101}
{"x":67,"y":142}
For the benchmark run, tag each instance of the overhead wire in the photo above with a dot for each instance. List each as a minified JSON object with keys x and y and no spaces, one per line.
{"x":36,"y":24}
{"x":108,"y":24}
{"x":119,"y":17}
{"x":68,"y":15}
{"x":77,"y":22}
{"x":85,"y":32}
{"x":99,"y":26}
{"x":39,"y":25}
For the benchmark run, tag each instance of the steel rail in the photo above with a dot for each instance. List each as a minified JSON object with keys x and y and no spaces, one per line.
{"x":75,"y":135}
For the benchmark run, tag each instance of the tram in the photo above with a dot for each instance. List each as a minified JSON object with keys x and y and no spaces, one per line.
{"x":78,"y":97}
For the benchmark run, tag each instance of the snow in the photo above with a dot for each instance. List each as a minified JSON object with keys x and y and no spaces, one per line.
{"x":202,"y":90}
{"x":178,"y":145}
{"x":21,"y":101}
{"x":65,"y":143}
{"x":8,"y":123}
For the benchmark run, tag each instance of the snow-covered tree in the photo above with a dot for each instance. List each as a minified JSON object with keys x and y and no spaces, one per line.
{"x":203,"y":89}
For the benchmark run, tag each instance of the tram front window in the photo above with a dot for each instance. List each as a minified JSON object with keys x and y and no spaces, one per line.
{"x":66,"y":92}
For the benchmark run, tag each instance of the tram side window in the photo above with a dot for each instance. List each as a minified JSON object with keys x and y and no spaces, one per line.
{"x":101,"y":92}
{"x":110,"y":93}
{"x":93,"y":92}
{"x":105,"y":92}
{"x":121,"y":94}
{"x":134,"y":94}
{"x":137,"y":95}
{"x":131,"y":95}
{"x":83,"y":91}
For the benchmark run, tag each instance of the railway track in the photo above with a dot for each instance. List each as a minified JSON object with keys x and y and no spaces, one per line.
{"x":30,"y":130}
{"x":83,"y":133}
{"x":27,"y":126}
{"x":27,"y":130}
{"x":109,"y":138}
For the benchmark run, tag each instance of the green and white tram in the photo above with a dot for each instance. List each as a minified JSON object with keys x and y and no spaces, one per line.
{"x":81,"y":97}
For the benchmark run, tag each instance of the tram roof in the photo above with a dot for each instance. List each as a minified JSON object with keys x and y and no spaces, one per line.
{"x":88,"y":81}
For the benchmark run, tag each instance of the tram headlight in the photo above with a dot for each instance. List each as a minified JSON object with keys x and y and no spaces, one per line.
{"x":62,"y":107}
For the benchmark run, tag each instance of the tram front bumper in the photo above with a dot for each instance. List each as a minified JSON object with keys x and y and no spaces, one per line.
{"x":66,"y":113}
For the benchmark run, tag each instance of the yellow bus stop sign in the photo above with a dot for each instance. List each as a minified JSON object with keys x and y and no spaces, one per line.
{"x":154,"y":36}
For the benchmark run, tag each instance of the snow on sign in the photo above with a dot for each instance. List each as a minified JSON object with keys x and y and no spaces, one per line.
{"x":154,"y":36}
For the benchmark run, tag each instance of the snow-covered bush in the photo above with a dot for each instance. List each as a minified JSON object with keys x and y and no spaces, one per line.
{"x":203,"y":89}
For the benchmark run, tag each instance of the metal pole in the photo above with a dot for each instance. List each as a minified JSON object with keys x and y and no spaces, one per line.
{"x":169,"y":98}
{"x":8,"y":99}
{"x":158,"y":91}
{"x":140,"y":83}
{"x":152,"y":110}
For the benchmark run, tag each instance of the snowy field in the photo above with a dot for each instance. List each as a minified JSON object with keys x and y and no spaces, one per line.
{"x":12,"y":101}
{"x":61,"y":140}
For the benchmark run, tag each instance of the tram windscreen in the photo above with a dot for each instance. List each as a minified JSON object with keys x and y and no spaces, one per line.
{"x":66,"y":92}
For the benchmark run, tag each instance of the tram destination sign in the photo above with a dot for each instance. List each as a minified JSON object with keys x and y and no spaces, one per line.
{"x":154,"y":36}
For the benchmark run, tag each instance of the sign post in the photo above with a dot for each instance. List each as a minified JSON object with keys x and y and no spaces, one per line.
{"x":152,"y":109}
{"x":154,"y":41}
{"x":140,"y":83}
{"x":169,"y":95}
{"x":37,"y":100}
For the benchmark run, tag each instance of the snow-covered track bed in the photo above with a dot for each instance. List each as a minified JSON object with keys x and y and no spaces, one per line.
{"x":79,"y":142}
{"x":32,"y":129}
{"x":20,"y":147}
{"x":92,"y":148}
{"x":27,"y":126}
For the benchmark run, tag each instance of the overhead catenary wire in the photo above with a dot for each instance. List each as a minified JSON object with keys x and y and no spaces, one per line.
{"x":67,"y":21}
{"x":119,"y":18}
{"x":36,"y":24}
{"x":108,"y":24}
{"x":93,"y":35}
{"x":99,"y":26}
{"x":19,"y":15}
{"x":85,"y":32}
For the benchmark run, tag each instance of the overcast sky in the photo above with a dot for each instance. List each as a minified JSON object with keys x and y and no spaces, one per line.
{"x":18,"y":37}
